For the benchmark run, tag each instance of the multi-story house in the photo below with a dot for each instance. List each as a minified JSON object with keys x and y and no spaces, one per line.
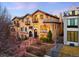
{"x":71,"y":27}
{"x":37,"y":24}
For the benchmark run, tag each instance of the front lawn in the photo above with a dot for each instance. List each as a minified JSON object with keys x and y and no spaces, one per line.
{"x":69,"y":51}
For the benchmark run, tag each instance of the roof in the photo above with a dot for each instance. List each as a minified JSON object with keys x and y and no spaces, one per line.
{"x":34,"y":13}
{"x":45,"y":13}
{"x":20,"y":17}
{"x":14,"y":18}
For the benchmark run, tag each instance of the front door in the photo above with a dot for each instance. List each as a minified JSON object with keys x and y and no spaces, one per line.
{"x":30,"y":34}
{"x":35,"y":33}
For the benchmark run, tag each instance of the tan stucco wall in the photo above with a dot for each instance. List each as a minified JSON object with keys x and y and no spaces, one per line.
{"x":36,"y":25}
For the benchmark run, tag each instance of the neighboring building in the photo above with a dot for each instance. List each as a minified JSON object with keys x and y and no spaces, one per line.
{"x":71,"y":27}
{"x":37,"y":25}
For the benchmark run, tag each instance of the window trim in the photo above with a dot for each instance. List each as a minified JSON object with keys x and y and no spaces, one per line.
{"x":72,"y":23}
{"x":70,"y":36}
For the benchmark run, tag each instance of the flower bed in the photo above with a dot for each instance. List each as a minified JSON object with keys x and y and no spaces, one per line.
{"x":39,"y":49}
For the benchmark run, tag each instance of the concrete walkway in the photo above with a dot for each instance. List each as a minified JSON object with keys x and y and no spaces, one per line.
{"x":54,"y":52}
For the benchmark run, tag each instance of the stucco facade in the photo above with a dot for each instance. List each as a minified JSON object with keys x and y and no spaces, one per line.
{"x":38,"y":23}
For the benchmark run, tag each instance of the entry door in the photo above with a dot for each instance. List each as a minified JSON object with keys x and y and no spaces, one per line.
{"x":35,"y":33}
{"x":30,"y":34}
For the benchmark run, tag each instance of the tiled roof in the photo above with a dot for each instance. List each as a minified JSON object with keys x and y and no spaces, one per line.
{"x":45,"y":13}
{"x":34,"y":13}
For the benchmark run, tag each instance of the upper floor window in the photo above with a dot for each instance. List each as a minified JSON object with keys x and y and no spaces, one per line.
{"x":66,"y":13}
{"x":30,"y":27}
{"x":70,"y":12}
{"x":41,"y":16}
{"x":72,"y":22}
{"x":17,"y":24}
{"x":26,"y":29}
{"x":27,"y":22}
{"x":14,"y":22}
{"x":35,"y":19}
{"x":21,"y":28}
{"x":73,"y":12}
{"x":43,"y":28}
{"x":76,"y":12}
{"x":13,"y":29}
{"x":27,"y":18}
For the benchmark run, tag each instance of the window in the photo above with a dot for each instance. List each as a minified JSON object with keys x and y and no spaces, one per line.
{"x":26,"y":29}
{"x":43,"y":28}
{"x":72,"y":22}
{"x":66,"y":13}
{"x":17,"y":24}
{"x":72,"y":36}
{"x":30,"y":27}
{"x":27,"y":22}
{"x":12,"y":29}
{"x":70,"y":12}
{"x":76,"y":12}
{"x":21,"y":28}
{"x":14,"y":22}
{"x":73,"y":12}
{"x":41,"y":16}
{"x":27,"y":18}
{"x":35,"y":20}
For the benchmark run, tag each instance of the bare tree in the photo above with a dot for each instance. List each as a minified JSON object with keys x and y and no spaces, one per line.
{"x":4,"y":27}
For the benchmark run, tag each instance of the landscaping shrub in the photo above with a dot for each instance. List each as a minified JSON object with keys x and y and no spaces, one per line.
{"x":48,"y":39}
{"x":44,"y":39}
{"x":49,"y":36}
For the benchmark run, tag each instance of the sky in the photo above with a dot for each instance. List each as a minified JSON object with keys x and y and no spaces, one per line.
{"x":22,"y":8}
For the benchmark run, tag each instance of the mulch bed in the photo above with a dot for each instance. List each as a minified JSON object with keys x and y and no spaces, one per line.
{"x":39,"y":49}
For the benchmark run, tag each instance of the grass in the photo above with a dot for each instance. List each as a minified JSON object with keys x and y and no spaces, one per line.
{"x":69,"y":51}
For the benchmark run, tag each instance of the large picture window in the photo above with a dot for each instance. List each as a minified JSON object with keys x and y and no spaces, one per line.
{"x":72,"y":36}
{"x":72,"y":22}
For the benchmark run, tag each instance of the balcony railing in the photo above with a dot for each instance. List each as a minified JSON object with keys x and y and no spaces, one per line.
{"x":30,"y":27}
{"x":43,"y":31}
{"x":27,"y":23}
{"x":50,"y":20}
{"x":35,"y":21}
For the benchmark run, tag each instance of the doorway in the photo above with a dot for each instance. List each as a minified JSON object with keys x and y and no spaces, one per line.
{"x":35,"y":33}
{"x":30,"y":34}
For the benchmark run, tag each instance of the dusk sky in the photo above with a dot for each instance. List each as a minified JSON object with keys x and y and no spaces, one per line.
{"x":22,"y":8}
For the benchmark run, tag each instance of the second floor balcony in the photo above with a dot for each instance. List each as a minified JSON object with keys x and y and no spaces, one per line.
{"x":35,"y":21}
{"x":50,"y":20}
{"x":27,"y":23}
